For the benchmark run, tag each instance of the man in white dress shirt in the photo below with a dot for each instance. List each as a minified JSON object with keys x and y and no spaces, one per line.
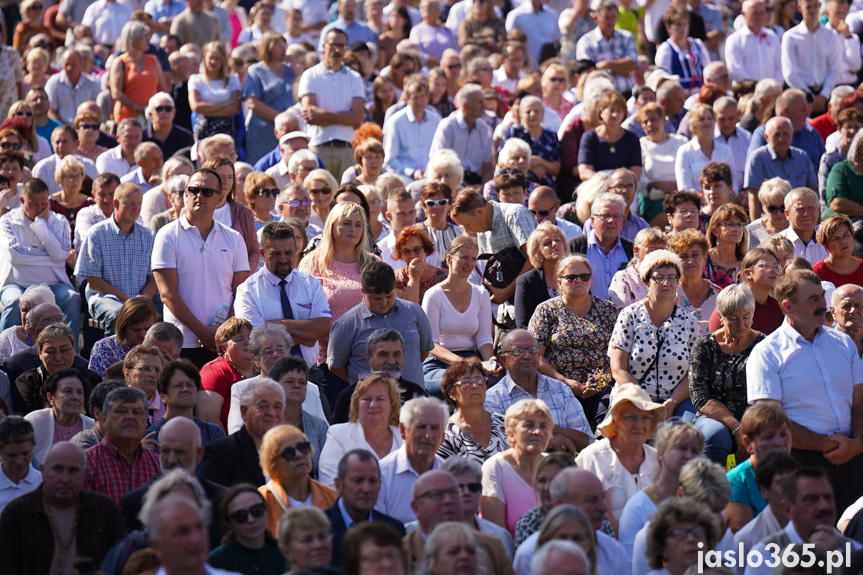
{"x":120,"y":160}
{"x":802,"y":210}
{"x":753,"y":51}
{"x":812,"y":56}
{"x":803,"y":360}
{"x":421,"y":423}
{"x":837,"y":11}
{"x":410,"y":131}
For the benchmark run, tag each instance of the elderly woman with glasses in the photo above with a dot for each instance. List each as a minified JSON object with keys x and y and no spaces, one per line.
{"x":436,"y":198}
{"x":652,"y":338}
{"x":717,"y":373}
{"x":573,"y":331}
{"x":507,"y":477}
{"x":69,"y":175}
{"x":727,"y":237}
{"x":471,"y":431}
{"x":17,"y":338}
{"x":622,"y":460}
{"x":286,"y":459}
{"x":320,"y":185}
{"x":413,"y":280}
{"x":841,"y":266}
{"x":248,"y":546}
{"x":771,"y":196}
{"x":233,"y":364}
{"x":680,"y":530}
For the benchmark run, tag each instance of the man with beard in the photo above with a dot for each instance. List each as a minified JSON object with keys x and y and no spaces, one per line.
{"x":846,"y":306}
{"x":803,"y":360}
{"x":385,"y":351}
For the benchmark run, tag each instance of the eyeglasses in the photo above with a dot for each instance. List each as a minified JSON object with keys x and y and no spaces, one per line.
{"x":324,"y":190}
{"x":622,"y":188}
{"x":164,"y":108}
{"x":438,"y":494}
{"x":541,"y":213}
{"x":147,"y":369}
{"x":470,"y":382}
{"x":206,"y":192}
{"x":89,"y":126}
{"x":699,"y":532}
{"x":23,"y":114}
{"x":10,"y":146}
{"x":475,"y":487}
{"x":774,"y":209}
{"x":769,"y":267}
{"x":298,"y":203}
{"x":631,"y":418}
{"x":520,"y":351}
{"x":507,"y":171}
{"x":271,"y":351}
{"x":608,"y":217}
{"x":268,"y":192}
{"x":732,"y":226}
{"x":572,"y":277}
{"x":291,"y":453}
{"x":242,"y":515}
{"x":436,"y":203}
{"x":662,"y":279}
{"x":685,"y":213}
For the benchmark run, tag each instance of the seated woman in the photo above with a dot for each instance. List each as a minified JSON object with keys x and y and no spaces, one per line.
{"x":372,"y":425}
{"x":472,"y":431}
{"x":696,"y":294}
{"x":717,"y":373}
{"x":567,"y":523}
{"x":17,"y":338}
{"x":436,"y":198}
{"x":136,"y":316}
{"x":545,"y":147}
{"x":415,"y":278}
{"x":507,"y":492}
{"x":514,"y":155}
{"x":622,"y":460}
{"x":668,"y":552}
{"x":636,"y":351}
{"x":247,"y":540}
{"x":693,"y":156}
{"x":726,"y":235}
{"x":626,"y":285}
{"x":546,"y":470}
{"x":459,"y":313}
{"x":676,"y":445}
{"x":609,"y":146}
{"x":234,"y":364}
{"x":69,"y":175}
{"x":305,"y":539}
{"x":759,"y":271}
{"x":841,"y":266}
{"x":682,"y":209}
{"x":771,"y":196}
{"x":66,"y":394}
{"x":286,"y":459}
{"x":546,"y":247}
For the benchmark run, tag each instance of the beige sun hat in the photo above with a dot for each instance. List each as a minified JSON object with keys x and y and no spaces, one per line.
{"x":636,"y":396}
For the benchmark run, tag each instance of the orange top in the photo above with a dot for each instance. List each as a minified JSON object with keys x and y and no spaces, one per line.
{"x":277,"y":501}
{"x":138,"y":85}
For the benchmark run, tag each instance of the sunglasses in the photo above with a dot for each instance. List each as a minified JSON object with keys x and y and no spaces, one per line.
{"x":572,"y":277}
{"x":325,"y":190}
{"x":23,"y":114}
{"x":541,"y":213}
{"x":242,"y":515}
{"x":436,"y":203}
{"x":90,"y":126}
{"x":506,"y":171}
{"x":10,"y":146}
{"x":206,"y":192}
{"x":291,"y":453}
{"x":472,"y":487}
{"x":299,"y":203}
{"x":268,"y":192}
{"x":774,"y":209}
{"x":164,"y":108}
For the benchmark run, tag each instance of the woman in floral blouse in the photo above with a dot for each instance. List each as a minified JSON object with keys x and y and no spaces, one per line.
{"x":136,"y":316}
{"x":573,"y":331}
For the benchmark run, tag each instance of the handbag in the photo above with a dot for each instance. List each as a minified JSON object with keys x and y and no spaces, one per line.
{"x":503,"y":267}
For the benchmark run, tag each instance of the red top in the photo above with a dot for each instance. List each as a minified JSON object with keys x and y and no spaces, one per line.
{"x":824,"y":124}
{"x":839,"y":280}
{"x":109,"y":474}
{"x":219,"y":376}
{"x":766,"y":319}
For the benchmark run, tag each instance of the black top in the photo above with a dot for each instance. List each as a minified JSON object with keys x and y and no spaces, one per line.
{"x":530,"y":291}
{"x":232,"y":460}
{"x":27,"y":391}
{"x":602,"y":155}
{"x":339,"y":529}
{"x":177,"y":139}
{"x":714,"y":374}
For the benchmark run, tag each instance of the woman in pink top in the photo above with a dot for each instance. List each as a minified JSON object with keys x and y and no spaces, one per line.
{"x":338,"y":259}
{"x":507,"y":477}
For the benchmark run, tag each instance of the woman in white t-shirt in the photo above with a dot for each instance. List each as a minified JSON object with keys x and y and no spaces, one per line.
{"x":214,"y":94}
{"x":459,"y":313}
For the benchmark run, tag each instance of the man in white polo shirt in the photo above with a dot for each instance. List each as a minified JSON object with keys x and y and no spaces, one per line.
{"x":198,"y":264}
{"x":332,"y":96}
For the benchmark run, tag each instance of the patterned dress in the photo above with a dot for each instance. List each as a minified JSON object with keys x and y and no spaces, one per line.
{"x":273,"y":91}
{"x":457,"y":441}
{"x":402,"y":280}
{"x":546,"y":147}
{"x":10,"y":75}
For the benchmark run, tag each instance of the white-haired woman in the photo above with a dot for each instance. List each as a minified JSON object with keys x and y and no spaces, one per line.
{"x":156,"y":199}
{"x":176,"y":189}
{"x":17,"y":338}
{"x":771,"y":196}
{"x":515,"y":154}
{"x":652,"y":338}
{"x":626,"y":285}
{"x":436,"y":199}
{"x":544,"y":163}
{"x":135,"y":75}
{"x":717,"y":373}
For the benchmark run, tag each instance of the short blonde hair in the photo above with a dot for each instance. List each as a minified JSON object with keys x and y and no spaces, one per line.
{"x":659,"y":259}
{"x":68,"y":165}
{"x":697,"y":112}
{"x":306,"y":518}
{"x":524,"y":408}
{"x":271,"y":446}
{"x":392,"y":390}
{"x":830,"y":226}
{"x":706,"y":482}
{"x":671,"y":435}
{"x":574,"y":259}
{"x":774,"y":188}
{"x":534,"y":242}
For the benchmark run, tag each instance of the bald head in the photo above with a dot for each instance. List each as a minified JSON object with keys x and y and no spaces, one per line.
{"x":581,"y":488}
{"x":90,"y":107}
{"x":63,"y":473}
{"x":180,"y":445}
{"x":846,"y":305}
{"x":435,"y":499}
{"x":64,"y":450}
{"x":543,"y":203}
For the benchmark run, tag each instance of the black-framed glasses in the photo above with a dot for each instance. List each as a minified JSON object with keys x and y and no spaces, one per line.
{"x":559,"y":80}
{"x":507,"y":171}
{"x":291,"y":453}
{"x":774,"y":209}
{"x":242,"y":515}
{"x":10,"y":146}
{"x":89,"y":126}
{"x":474,"y":487}
{"x":299,"y":203}
{"x":164,"y":108}
{"x":206,"y":192}
{"x":268,"y":192}
{"x":573,"y":277}
{"x":436,"y":203}
{"x":520,"y":351}
{"x":662,"y":279}
{"x":324,"y":190}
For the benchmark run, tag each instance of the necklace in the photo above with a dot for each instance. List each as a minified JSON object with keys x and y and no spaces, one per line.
{"x":248,"y":556}
{"x":481,"y":438}
{"x":62,"y":544}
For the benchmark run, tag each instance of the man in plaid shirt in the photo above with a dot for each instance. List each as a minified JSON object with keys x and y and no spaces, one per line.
{"x":612,"y":50}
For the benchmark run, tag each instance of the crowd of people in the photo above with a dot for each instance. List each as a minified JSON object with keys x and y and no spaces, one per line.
{"x":430,"y":287}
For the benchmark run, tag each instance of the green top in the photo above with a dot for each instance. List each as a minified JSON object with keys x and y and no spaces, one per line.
{"x":844,"y":181}
{"x":235,"y":557}
{"x":628,"y":20}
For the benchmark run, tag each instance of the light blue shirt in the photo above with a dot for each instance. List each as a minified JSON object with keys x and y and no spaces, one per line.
{"x":407,"y":142}
{"x":764,"y":164}
{"x":164,"y":9}
{"x":356,"y":31}
{"x":807,"y":139}
{"x":604,"y":265}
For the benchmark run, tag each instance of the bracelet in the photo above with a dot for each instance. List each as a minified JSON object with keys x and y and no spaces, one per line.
{"x":675,"y":402}
{"x":735,"y":430}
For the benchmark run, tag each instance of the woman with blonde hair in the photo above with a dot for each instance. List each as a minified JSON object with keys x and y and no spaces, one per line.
{"x":771,"y":197}
{"x":38,"y":63}
{"x":261,"y":192}
{"x":214,"y":93}
{"x":554,"y":85}
{"x":33,"y":142}
{"x":702,"y":149}
{"x":32,"y":13}
{"x":69,"y":200}
{"x":546,"y":246}
{"x":286,"y":459}
{"x":135,"y":75}
{"x":306,"y":539}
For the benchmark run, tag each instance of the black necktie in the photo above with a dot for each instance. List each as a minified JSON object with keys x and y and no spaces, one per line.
{"x":287,"y":312}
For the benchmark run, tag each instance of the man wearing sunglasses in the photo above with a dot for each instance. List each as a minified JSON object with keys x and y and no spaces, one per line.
{"x":179,"y":448}
{"x":543,"y":204}
{"x":70,"y":88}
{"x":163,"y":130}
{"x":214,"y":261}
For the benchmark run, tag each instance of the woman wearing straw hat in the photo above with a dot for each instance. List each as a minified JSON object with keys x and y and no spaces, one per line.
{"x":622,"y":460}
